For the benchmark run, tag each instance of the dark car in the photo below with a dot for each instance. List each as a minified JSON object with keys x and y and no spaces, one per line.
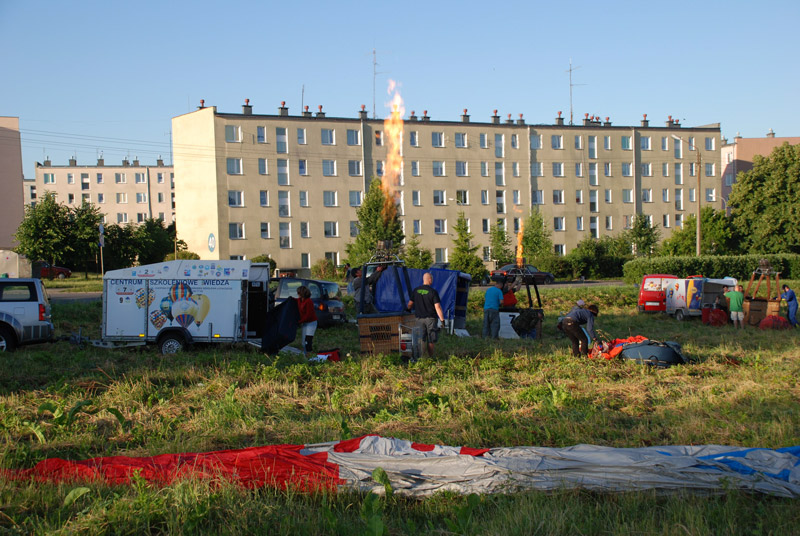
{"x":541,"y":278}
{"x":324,"y":294}
{"x":48,"y":271}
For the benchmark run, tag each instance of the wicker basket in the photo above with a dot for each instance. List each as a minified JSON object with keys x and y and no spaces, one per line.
{"x":380,"y":334}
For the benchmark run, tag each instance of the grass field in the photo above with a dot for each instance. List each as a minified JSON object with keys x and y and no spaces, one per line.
{"x":59,"y":401}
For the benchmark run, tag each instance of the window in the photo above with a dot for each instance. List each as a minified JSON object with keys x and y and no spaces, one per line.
{"x":462,"y":197}
{"x":329,"y":168}
{"x":301,"y":136}
{"x":558,"y":169}
{"x":665,"y":169}
{"x":122,"y":217}
{"x":647,"y":195}
{"x":355,"y":198}
{"x":84,"y":181}
{"x":664,"y":143}
{"x":499,"y":174}
{"x":536,"y":141}
{"x":484,"y":197}
{"x":609,"y":223}
{"x":261,"y":134}
{"x":264,"y":229}
{"x":100,"y":178}
{"x":487,"y":253}
{"x":627,"y":221}
{"x":516,"y":225}
{"x":678,"y":174}
{"x":608,"y":196}
{"x":536,"y":169}
{"x":328,"y":136}
{"x":499,"y":145}
{"x":579,"y":142}
{"x":692,"y":170}
{"x":645,"y":143}
{"x":647,"y":170}
{"x":607,"y":143}
{"x":262,"y":166}
{"x":579,"y":223}
{"x":283,"y":172}
{"x":233,"y":134}
{"x":500,"y":199}
{"x":122,"y":197}
{"x":329,"y":198}
{"x":558,"y":197}
{"x":625,"y":142}
{"x":378,"y":138}
{"x":413,"y":138}
{"x":514,"y":141}
{"x":438,"y":168}
{"x":515,"y":169}
{"x":417,"y":227}
{"x":556,"y":141}
{"x":710,"y":170}
{"x":119,"y":178}
{"x":461,"y":169}
{"x":593,"y":206}
{"x":440,"y":255}
{"x":627,"y":195}
{"x":486,"y":226}
{"x":302,"y":167}
{"x":141,"y":198}
{"x":415,"y":198}
{"x":354,"y":228}
{"x":437,"y":139}
{"x":710,"y":144}
{"x":234,"y":166}
{"x":691,"y":143}
{"x":579,"y":197}
{"x":516,"y":197}
{"x":559,"y":249}
{"x":501,"y":223}
{"x":440,"y":226}
{"x":484,"y":140}
{"x":302,"y":198}
{"x":578,"y":169}
{"x":607,"y":169}
{"x":235,"y":198}
{"x":711,"y":195}
{"x":593,"y":227}
{"x":593,"y":173}
{"x":70,"y":198}
{"x":379,"y":168}
{"x":678,"y":144}
{"x":331,"y":229}
{"x":305,"y":260}
{"x":558,"y":223}
{"x":281,"y":141}
{"x":283,"y":204}
{"x":626,"y":169}
{"x":537,"y":197}
{"x":592,"y":146}
{"x":461,"y":140}
{"x":415,"y":168}
{"x":665,"y":220}
{"x":729,"y":179}
{"x":679,"y":220}
{"x":665,"y":195}
{"x":101,"y":198}
{"x":484,"y":169}
{"x":236,"y":231}
{"x":353,"y":137}
{"x":439,"y":197}
{"x":678,"y":201}
{"x":354,"y":168}
{"x":284,"y":235}
{"x":263,"y":198}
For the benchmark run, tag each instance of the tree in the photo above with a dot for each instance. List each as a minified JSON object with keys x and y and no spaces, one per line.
{"x":376,"y":221}
{"x":153,"y":241}
{"x":536,"y":243}
{"x":643,"y":236}
{"x":43,"y":234}
{"x":120,"y":250}
{"x":464,"y":258}
{"x":501,"y":245}
{"x":717,"y":235}
{"x":765,"y":202}
{"x":416,"y":256}
{"x":84,"y":235}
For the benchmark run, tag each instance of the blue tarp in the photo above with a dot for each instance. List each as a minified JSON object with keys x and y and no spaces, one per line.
{"x":390,"y":297}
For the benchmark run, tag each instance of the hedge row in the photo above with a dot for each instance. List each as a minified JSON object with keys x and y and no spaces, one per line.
{"x":739,"y":266}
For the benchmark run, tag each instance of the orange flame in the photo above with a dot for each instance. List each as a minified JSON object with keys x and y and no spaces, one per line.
{"x":520,"y":258}
{"x":393,"y":170}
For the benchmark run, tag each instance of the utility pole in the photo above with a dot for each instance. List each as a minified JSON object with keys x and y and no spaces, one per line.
{"x":696,"y":148}
{"x":571,"y":85}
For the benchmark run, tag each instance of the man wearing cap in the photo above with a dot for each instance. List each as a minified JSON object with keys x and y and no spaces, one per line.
{"x":571,"y":325}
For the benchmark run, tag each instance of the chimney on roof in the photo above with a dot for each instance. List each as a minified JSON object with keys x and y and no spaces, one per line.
{"x":136,"y":161}
{"x":246,"y":108}
{"x":520,"y":121}
{"x":509,"y":121}
{"x":362,"y":114}
{"x":495,"y":118}
{"x":645,"y":122}
{"x":306,"y":113}
{"x":607,"y":123}
{"x":47,"y":162}
{"x":559,"y":119}
{"x":202,"y":104}
{"x":425,"y":117}
{"x":73,"y":162}
{"x":771,"y":133}
{"x":283,"y":111}
{"x":586,"y":120}
{"x":320,"y":113}
{"x":464,"y":117}
{"x":100,"y":162}
{"x":159,"y":161}
{"x":125,"y":162}
{"x":413,"y":116}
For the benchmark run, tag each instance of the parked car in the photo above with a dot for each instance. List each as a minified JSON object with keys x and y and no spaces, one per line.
{"x":48,"y":271}
{"x":325,"y":295}
{"x":541,"y":278}
{"x":653,"y":292}
{"x":24,"y":313}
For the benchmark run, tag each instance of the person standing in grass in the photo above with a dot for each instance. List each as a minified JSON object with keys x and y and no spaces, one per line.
{"x":791,"y":304}
{"x":573,"y":323}
{"x":308,"y":317}
{"x":736,"y":306}
{"x":491,"y":310}
{"x":428,"y":309}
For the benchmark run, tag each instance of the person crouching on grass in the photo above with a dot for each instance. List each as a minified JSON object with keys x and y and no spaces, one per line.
{"x":571,"y":324}
{"x":308,"y":317}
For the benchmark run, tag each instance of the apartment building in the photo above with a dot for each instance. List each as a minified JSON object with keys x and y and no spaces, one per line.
{"x":11,"y":208}
{"x":737,"y":156}
{"x":130,"y":192}
{"x":290,"y":186}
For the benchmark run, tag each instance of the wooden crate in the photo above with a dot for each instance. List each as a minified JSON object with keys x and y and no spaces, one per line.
{"x":380,"y":334}
{"x":757,"y":309}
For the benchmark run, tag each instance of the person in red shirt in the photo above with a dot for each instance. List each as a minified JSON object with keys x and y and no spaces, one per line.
{"x":509,"y":294}
{"x":308,"y":317}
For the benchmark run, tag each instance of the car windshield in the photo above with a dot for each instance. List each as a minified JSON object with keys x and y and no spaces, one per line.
{"x":331,"y":289}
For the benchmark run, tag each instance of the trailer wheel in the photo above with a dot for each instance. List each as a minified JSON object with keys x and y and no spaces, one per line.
{"x":7,"y":339}
{"x":171,"y":344}
{"x":679,"y":316}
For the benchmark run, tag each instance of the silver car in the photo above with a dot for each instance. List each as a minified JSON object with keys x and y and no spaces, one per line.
{"x":24,"y":313}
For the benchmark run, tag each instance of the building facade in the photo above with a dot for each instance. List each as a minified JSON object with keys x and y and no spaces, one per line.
{"x":737,"y":156}
{"x":127,"y":193}
{"x":11,"y":203}
{"x":290,"y":186}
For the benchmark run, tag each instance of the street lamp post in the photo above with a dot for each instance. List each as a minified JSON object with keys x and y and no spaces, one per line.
{"x":697,"y":195}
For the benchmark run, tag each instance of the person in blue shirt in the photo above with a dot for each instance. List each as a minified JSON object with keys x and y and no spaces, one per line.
{"x":491,"y":310}
{"x":791,"y":304}
{"x":572,"y":327}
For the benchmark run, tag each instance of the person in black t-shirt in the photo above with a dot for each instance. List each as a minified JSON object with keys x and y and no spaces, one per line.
{"x":428,"y":310}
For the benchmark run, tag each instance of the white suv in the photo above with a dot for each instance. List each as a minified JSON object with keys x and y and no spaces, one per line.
{"x":24,"y":313}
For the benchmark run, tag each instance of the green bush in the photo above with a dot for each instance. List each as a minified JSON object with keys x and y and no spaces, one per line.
{"x":738,"y":266}
{"x":264,"y":258}
{"x":324,"y":269}
{"x":183,"y":256}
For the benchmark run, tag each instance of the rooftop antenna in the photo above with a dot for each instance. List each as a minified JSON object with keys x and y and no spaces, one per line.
{"x":571,"y":85}
{"x":375,"y":74}
{"x":302,"y":96}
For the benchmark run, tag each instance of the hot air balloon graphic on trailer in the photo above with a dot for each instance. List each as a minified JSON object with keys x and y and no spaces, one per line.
{"x":179,"y":291}
{"x":184,"y":311}
{"x":203,"y":306}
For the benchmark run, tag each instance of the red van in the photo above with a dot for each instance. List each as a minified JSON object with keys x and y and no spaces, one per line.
{"x":652,"y":293}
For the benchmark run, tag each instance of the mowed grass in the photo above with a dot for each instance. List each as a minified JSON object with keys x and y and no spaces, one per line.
{"x":78,"y":282}
{"x":60,"y":401}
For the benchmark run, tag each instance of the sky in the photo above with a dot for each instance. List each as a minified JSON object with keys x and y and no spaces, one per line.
{"x":91,"y":78}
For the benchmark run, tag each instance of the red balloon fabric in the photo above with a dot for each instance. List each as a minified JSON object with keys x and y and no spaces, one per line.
{"x":774,"y":322}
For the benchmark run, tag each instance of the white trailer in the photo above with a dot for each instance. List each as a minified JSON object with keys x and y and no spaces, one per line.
{"x":174,"y":304}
